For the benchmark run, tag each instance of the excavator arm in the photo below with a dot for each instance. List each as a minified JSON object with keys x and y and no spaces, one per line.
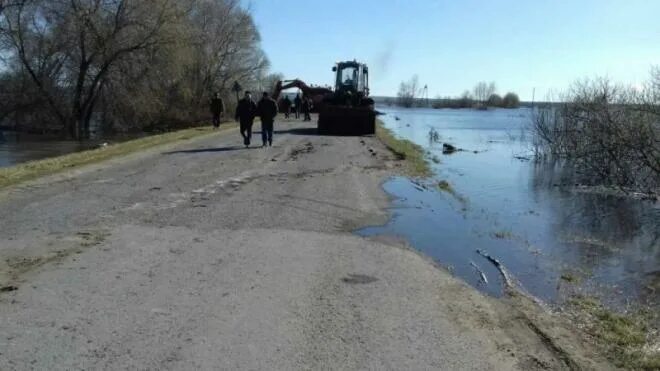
{"x":307,"y":90}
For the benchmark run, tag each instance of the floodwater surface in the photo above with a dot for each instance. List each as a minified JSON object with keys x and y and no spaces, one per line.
{"x":15,"y":150}
{"x":556,"y":238}
{"x":18,"y":148}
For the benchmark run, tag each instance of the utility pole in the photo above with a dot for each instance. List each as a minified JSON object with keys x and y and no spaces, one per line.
{"x":425,"y":95}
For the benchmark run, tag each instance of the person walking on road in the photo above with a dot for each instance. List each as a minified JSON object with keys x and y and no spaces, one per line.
{"x":217,"y":109}
{"x":307,"y":108}
{"x":286,"y":103}
{"x":245,"y":112}
{"x":297,"y":105}
{"x":267,"y":110}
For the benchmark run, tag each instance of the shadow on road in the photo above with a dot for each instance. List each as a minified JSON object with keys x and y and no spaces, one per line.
{"x":298,"y":131}
{"x":205,"y":150}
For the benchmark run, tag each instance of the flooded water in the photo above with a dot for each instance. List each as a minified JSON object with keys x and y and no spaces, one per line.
{"x":15,"y":149}
{"x":555,"y":240}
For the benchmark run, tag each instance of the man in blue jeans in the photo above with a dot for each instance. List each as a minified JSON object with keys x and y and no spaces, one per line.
{"x":267,"y":110}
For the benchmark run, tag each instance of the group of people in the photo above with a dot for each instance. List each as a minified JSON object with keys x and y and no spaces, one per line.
{"x":299,"y":104}
{"x":266,"y":109}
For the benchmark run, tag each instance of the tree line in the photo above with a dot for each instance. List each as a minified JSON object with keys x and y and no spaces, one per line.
{"x":482,"y":96}
{"x":71,"y":65}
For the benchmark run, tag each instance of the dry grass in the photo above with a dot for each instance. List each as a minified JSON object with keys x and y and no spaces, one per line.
{"x":624,"y":337}
{"x":31,"y":170}
{"x":406,"y":150}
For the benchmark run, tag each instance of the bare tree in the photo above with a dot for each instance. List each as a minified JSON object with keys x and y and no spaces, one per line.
{"x":492,"y":88}
{"x":408,"y":91}
{"x":226,"y":48}
{"x":72,"y":47}
{"x":482,"y":91}
{"x":608,"y":132}
{"x":268,"y":81}
{"x":131,"y":63}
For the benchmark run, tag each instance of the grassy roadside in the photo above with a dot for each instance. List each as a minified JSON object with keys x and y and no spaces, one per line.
{"x":404,"y":149}
{"x":628,"y":340}
{"x":34,"y":169}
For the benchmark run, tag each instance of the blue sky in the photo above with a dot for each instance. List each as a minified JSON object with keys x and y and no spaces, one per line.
{"x":451,"y":45}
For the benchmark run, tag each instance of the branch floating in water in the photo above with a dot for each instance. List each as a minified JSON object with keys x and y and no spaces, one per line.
{"x":481,"y":273}
{"x":499,"y":266}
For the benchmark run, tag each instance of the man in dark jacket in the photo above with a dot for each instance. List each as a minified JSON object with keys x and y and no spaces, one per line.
{"x":307,"y":108}
{"x":267,"y":110}
{"x":286,"y":104}
{"x":297,"y":102}
{"x":245,"y":112}
{"x":217,"y":107}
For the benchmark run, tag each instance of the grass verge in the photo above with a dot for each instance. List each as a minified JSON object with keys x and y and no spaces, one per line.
{"x":404,"y":149}
{"x":34,"y":169}
{"x":628,"y":340}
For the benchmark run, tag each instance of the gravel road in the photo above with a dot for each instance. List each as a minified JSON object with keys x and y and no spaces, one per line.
{"x":208,"y":255}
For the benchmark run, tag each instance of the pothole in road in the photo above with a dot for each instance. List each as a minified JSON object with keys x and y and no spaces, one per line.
{"x":296,"y":152}
{"x":358,"y":279}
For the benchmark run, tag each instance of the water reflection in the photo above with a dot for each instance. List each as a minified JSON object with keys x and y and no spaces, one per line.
{"x":529,"y":214}
{"x":19,"y":148}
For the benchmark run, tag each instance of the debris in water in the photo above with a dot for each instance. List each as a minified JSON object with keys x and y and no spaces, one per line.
{"x":445,"y":186}
{"x":448,"y":149}
{"x":499,"y":266}
{"x":8,"y":288}
{"x":481,"y":273}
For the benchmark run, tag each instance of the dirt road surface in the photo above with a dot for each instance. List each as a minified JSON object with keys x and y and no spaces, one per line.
{"x":207,"y":255}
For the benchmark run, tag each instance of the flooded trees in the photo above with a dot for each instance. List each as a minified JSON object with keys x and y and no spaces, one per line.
{"x":468,"y":100}
{"x":482,"y":91}
{"x":494,"y":100}
{"x":510,"y":100}
{"x":69,"y":50}
{"x":129,"y":63}
{"x":408,"y":91}
{"x":608,"y":132}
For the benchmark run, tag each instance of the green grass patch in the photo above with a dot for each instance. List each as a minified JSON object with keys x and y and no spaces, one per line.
{"x":445,"y":186}
{"x":34,"y":169}
{"x":570,"y":277}
{"x":625,"y":338}
{"x":406,"y":150}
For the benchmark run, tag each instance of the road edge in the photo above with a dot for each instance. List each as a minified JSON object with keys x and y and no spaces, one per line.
{"x":74,"y":164}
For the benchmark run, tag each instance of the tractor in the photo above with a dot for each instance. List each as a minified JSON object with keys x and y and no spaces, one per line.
{"x":346,"y":110}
